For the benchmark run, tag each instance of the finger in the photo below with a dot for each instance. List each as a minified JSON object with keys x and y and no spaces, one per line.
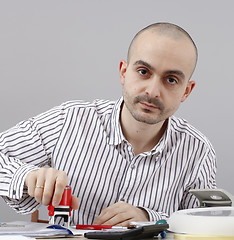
{"x":48,"y":191}
{"x":126,"y":223}
{"x":118,"y":219}
{"x":107,"y":214}
{"x":49,"y":185}
{"x":39,"y":188}
{"x":60,"y":184}
{"x":74,"y":202}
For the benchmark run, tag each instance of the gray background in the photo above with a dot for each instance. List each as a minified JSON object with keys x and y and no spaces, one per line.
{"x":52,"y":51}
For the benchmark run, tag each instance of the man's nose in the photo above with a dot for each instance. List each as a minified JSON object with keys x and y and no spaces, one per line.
{"x":153,"y":87}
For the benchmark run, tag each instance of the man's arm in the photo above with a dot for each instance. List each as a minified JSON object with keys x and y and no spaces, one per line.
{"x":206,"y":174}
{"x":24,"y":148}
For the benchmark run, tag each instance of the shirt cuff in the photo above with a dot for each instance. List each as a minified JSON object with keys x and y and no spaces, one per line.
{"x":153,"y":215}
{"x":16,"y":188}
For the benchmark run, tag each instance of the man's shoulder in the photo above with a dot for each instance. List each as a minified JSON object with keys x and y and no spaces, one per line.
{"x":98,"y":105}
{"x":182,"y":126}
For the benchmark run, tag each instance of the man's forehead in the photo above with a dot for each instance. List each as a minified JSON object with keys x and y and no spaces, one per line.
{"x":155,"y":35}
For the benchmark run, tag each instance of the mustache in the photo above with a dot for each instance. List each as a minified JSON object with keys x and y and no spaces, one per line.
{"x":150,"y":100}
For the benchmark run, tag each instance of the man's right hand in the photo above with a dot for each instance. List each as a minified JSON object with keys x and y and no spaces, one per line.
{"x":48,"y":184}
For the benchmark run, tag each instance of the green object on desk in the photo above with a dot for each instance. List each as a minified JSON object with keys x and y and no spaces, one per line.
{"x":162,"y":221}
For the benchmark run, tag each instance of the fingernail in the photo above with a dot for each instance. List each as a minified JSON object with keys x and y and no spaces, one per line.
{"x":55,"y":203}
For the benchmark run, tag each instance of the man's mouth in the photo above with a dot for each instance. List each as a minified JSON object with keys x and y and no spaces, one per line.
{"x":148,"y":106}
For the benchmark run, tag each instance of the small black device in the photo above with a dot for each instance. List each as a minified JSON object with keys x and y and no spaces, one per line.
{"x":147,"y":231}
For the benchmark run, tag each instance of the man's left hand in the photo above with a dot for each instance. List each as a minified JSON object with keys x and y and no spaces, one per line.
{"x":121,"y":214}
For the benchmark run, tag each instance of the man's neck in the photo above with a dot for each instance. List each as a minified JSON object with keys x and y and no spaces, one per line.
{"x":143,"y":137}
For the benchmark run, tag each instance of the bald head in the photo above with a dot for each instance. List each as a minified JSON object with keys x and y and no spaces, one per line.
{"x":165,"y":30}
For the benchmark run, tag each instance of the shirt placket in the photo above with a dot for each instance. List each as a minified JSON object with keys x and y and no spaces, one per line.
{"x":131,"y":173}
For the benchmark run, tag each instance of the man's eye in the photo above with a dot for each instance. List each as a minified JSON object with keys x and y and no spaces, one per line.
{"x":143,"y":72}
{"x":171,"y":80}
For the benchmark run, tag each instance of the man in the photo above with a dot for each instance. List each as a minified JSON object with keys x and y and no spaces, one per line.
{"x":133,"y":149}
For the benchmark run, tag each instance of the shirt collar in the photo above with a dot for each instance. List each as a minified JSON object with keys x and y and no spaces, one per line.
{"x":116,"y":135}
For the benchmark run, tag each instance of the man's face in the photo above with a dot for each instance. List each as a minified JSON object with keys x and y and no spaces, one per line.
{"x":156,"y":78}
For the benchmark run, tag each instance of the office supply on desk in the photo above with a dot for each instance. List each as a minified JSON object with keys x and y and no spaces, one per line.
{"x":63,"y":210}
{"x":59,"y":227}
{"x":99,"y":227}
{"x":148,"y":231}
{"x":213,"y":197}
{"x":141,"y":224}
{"x":215,"y":221}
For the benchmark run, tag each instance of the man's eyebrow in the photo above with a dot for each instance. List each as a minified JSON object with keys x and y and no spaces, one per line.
{"x":176,"y":72}
{"x":141,"y":62}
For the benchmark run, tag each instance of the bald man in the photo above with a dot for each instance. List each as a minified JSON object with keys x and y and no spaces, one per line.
{"x":126,"y":160}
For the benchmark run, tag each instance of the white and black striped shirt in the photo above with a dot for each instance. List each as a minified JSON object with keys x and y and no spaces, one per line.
{"x":86,"y":141}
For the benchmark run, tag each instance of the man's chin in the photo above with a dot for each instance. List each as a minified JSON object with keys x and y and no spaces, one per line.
{"x":149,"y":121}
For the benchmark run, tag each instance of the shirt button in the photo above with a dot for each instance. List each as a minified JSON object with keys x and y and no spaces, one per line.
{"x":157,"y":154}
{"x":14,"y":192}
{"x":132,"y":166}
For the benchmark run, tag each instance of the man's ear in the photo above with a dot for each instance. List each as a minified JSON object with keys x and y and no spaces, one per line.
{"x":188,"y":90}
{"x":122,"y":71}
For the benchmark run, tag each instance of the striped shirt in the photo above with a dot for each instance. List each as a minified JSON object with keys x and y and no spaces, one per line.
{"x":86,"y":141}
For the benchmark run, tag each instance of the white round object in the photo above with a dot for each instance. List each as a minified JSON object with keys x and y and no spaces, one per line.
{"x":206,"y":221}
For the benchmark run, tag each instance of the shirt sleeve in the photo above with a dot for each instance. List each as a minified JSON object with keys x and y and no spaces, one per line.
{"x":203,"y":177}
{"x":155,"y":216}
{"x":23,"y":148}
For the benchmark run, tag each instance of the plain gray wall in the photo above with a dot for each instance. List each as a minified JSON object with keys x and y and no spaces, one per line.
{"x":52,"y":51}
